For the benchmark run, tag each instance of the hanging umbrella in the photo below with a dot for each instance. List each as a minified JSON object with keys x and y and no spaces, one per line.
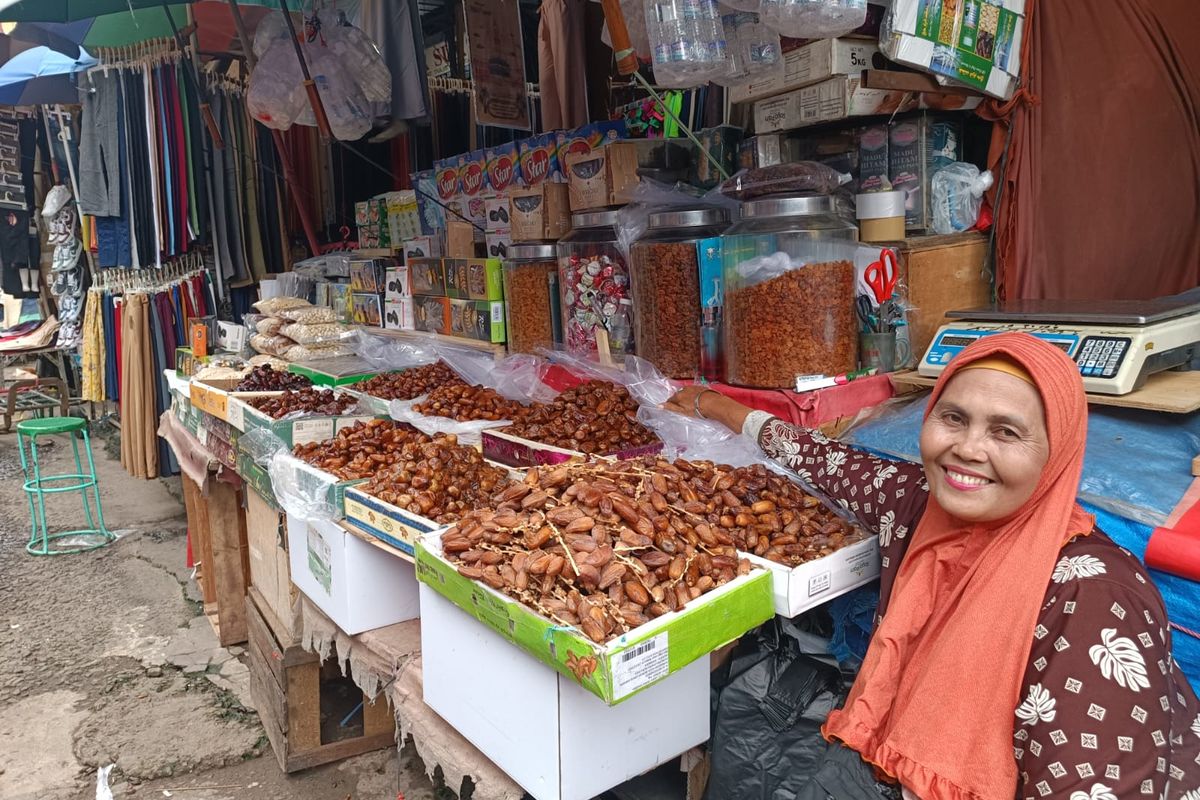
{"x":41,"y":76}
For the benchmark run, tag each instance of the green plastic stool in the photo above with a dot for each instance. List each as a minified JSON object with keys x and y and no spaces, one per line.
{"x":40,"y":485}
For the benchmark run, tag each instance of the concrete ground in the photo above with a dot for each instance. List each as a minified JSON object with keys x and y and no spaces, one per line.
{"x":105,"y":658}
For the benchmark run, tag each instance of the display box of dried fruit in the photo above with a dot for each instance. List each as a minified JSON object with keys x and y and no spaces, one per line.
{"x":308,"y":427}
{"x":213,"y":397}
{"x":617,"y":670}
{"x":798,"y":589}
{"x":377,"y":393}
{"x":256,"y":478}
{"x":602,"y":571}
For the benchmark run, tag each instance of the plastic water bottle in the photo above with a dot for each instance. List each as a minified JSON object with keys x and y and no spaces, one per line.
{"x":814,"y":19}
{"x":754,"y":49}
{"x":957,"y":195}
{"x":687,"y":42}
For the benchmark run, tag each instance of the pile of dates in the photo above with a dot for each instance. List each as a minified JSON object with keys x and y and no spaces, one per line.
{"x":411,"y":383}
{"x":316,"y":402}
{"x":608,"y":546}
{"x":596,"y":417}
{"x":361,"y":450}
{"x":464,"y":403}
{"x":265,"y":378}
{"x":437,"y":478}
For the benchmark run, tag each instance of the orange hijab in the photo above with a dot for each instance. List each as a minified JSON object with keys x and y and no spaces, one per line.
{"x":933,"y":704}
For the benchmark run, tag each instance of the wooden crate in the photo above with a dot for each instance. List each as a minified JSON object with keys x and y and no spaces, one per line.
{"x":270,"y":573}
{"x":217,"y":526}
{"x":287,"y":684}
{"x":942,"y":273}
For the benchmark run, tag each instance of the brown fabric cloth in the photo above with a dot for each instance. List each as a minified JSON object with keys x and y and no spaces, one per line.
{"x":1103,"y":183}
{"x":139,"y":442}
{"x":561,"y":64}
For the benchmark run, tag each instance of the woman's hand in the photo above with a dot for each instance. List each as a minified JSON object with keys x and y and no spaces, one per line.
{"x":701,"y":401}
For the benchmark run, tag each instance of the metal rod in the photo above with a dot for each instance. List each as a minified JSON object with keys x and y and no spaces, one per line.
{"x":314,"y":97}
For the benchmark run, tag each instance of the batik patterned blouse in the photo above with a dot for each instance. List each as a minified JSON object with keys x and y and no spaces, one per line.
{"x":1104,"y":713}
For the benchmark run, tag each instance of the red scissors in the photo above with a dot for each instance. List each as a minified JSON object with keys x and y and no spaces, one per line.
{"x":881,"y":275}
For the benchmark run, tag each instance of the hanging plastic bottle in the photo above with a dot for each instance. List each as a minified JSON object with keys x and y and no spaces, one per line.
{"x":814,"y":19}
{"x":687,"y":42}
{"x":754,"y":49}
{"x":957,"y":195}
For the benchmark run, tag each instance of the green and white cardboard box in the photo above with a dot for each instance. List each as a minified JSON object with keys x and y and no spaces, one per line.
{"x":977,"y":45}
{"x":302,"y":430}
{"x":627,"y":664}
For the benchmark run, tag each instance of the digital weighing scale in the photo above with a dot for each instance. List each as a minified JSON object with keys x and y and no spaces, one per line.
{"x":1116,"y":343}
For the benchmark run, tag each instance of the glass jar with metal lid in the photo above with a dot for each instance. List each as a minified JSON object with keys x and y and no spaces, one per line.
{"x":669,"y":296}
{"x":532,"y":312}
{"x":789,"y":291}
{"x":593,"y":282}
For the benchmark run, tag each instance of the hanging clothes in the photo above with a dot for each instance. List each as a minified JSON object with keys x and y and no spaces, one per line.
{"x":562,"y":70}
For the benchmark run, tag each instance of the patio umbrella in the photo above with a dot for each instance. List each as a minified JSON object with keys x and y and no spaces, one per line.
{"x":41,"y":76}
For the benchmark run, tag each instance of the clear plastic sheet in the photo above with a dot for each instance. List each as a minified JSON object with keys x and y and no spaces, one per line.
{"x":650,"y":197}
{"x":1137,"y":464}
{"x":643,"y":380}
{"x":301,"y":489}
{"x":386,"y":354}
{"x":468,"y":433}
{"x":261,"y":445}
{"x":330,"y":265}
{"x":699,"y":439}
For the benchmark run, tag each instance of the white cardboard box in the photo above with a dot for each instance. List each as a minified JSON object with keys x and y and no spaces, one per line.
{"x":797,"y":589}
{"x":833,"y":99}
{"x":396,"y":285}
{"x":398,"y":315}
{"x":557,"y":740}
{"x":813,"y":62}
{"x":357,"y":584}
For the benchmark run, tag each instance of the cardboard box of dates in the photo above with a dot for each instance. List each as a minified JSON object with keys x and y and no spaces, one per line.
{"x":628,"y":663}
{"x":337,"y":411}
{"x":214,"y":397}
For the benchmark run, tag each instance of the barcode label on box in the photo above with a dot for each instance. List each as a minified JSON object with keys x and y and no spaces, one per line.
{"x":640,"y":665}
{"x":306,"y":431}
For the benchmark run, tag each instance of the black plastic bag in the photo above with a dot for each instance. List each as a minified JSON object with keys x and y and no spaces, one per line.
{"x":769,"y":702}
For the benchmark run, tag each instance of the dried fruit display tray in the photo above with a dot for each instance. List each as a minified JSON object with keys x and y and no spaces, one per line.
{"x":797,"y":589}
{"x":399,"y":528}
{"x":317,"y":428}
{"x":629,"y":663}
{"x":217,"y":398}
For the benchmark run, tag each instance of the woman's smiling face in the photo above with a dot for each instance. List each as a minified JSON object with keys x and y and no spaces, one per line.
{"x":984,"y":445}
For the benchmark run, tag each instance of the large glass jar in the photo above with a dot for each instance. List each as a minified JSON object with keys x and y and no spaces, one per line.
{"x":531,"y":303}
{"x":593,"y":282}
{"x":789,"y":291}
{"x":687,"y":42}
{"x":667,"y":307}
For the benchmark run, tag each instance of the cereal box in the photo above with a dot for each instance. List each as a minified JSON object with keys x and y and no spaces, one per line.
{"x":538,"y":157}
{"x":503,"y":168}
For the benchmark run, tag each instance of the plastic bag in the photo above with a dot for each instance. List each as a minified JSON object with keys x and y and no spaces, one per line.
{"x":754,"y":49}
{"x":769,"y":702}
{"x":650,"y":197}
{"x":385,"y":354}
{"x":468,"y":433}
{"x":274,"y":305}
{"x":269,"y":326}
{"x":645,"y":383}
{"x":103,"y":792}
{"x":316,"y":333}
{"x":814,"y":19}
{"x":699,"y":439}
{"x":301,"y":489}
{"x":309,"y":316}
{"x":276,"y":96}
{"x":956,"y":196}
{"x":261,"y":445}
{"x":317,"y":352}
{"x":797,"y":177}
{"x":520,"y":377}
{"x":276,"y":345}
{"x":323,"y":267}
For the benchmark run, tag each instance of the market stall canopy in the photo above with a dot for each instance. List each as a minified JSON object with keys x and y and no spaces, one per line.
{"x":41,"y":75}
{"x":65,"y":25}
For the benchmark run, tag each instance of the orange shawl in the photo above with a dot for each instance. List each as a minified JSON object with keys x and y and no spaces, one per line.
{"x":933,"y":704}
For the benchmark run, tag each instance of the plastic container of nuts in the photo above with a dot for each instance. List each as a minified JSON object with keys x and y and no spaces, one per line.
{"x":532,"y":303}
{"x":665,"y":269}
{"x":789,"y":291}
{"x":593,"y":281}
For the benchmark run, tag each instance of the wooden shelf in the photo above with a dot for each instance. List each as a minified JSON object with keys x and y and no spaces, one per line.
{"x":1170,"y":392}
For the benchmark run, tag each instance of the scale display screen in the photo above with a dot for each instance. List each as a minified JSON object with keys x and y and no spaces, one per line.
{"x":950,"y":342}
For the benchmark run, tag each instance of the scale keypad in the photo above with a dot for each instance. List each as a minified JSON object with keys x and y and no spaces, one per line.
{"x":1101,"y":356}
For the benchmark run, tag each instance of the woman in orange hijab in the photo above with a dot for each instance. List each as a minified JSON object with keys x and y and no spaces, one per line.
{"x":1020,"y":653}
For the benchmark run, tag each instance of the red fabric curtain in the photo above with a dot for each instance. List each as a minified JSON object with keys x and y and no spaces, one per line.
{"x":1102,"y":196}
